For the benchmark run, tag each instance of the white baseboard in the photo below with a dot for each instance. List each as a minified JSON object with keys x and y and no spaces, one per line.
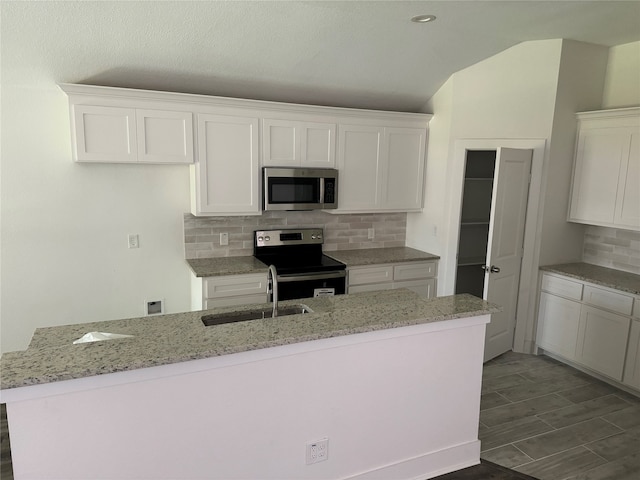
{"x":428,"y":465}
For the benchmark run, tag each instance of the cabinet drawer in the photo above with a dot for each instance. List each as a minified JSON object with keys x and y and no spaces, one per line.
{"x":370,"y":288}
{"x":411,"y":271}
{"x":561,"y":286}
{"x":613,"y":301}
{"x":210,"y":303}
{"x":235,"y":285}
{"x":364,"y":275}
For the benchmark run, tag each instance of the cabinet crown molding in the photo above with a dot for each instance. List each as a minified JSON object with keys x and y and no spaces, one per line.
{"x":80,"y":90}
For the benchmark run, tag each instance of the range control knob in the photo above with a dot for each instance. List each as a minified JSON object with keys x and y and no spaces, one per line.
{"x":267,"y":238}
{"x":313,"y":237}
{"x":260,"y":239}
{"x":319,"y":236}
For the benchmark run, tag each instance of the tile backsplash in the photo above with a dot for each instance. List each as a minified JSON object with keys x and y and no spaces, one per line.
{"x":341,"y":232}
{"x":613,"y":248}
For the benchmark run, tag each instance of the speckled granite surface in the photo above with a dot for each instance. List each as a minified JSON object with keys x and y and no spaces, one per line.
{"x":372,"y":256}
{"x":607,"y":277}
{"x":211,"y":267}
{"x":174,"y":338}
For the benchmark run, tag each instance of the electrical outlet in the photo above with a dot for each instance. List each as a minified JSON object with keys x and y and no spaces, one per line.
{"x":154,"y":307}
{"x":134,"y":240}
{"x":371,"y":233}
{"x":224,"y":238}
{"x":317,"y":451}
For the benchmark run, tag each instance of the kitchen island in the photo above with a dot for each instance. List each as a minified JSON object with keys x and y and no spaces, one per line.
{"x":392,"y":380}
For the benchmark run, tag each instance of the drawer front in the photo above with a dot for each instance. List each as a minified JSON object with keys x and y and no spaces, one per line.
{"x":636,"y":307}
{"x":616,"y":302}
{"x":210,"y":303}
{"x":412,"y":271}
{"x":370,"y":288}
{"x":365,"y":275}
{"x":562,"y":286}
{"x":235,"y":285}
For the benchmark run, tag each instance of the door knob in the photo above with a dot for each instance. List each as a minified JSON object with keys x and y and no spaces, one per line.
{"x":494,"y":269}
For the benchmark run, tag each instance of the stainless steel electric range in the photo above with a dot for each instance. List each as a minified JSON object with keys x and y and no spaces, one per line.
{"x":303,"y":271}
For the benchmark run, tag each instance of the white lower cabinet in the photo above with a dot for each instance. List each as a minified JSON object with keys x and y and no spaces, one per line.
{"x":602,"y":341}
{"x":632,"y":362}
{"x":419,"y":277}
{"x":228,"y":290}
{"x":591,"y":326}
{"x":558,"y":321}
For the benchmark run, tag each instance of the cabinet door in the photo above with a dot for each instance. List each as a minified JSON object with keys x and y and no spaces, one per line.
{"x":599,"y":157}
{"x":280,"y":143}
{"x":602,"y":341}
{"x":104,"y":134}
{"x":359,"y":162}
{"x":164,"y":136}
{"x":627,"y":212}
{"x":226,"y":174}
{"x":632,"y":363}
{"x":558,"y":320}
{"x":404,"y":168}
{"x":318,"y":145}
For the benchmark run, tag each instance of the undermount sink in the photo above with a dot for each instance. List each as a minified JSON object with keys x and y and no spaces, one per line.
{"x":245,"y":315}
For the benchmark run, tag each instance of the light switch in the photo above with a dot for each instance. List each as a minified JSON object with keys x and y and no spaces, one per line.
{"x":224,"y":238}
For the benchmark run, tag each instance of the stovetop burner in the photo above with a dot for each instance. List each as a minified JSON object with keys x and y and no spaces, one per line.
{"x":294,"y":251}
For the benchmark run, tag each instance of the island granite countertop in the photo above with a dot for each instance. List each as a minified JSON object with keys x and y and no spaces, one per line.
{"x":606,"y":277}
{"x":219,"y":266}
{"x":174,"y":338}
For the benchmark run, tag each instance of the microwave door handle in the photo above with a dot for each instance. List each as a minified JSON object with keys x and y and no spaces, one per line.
{"x":321,"y":191}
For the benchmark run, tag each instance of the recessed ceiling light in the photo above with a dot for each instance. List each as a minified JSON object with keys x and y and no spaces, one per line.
{"x":423,"y":18}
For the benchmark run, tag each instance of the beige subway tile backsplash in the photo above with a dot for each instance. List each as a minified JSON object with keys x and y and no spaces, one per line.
{"x":341,"y":232}
{"x":613,"y":248}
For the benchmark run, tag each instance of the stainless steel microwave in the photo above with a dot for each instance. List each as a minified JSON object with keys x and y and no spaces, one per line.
{"x":300,"y":188}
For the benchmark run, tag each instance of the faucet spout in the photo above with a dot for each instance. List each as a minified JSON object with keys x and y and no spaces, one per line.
{"x":272,"y":279}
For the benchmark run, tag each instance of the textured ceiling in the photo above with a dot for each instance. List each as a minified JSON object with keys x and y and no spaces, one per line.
{"x":353,"y":53}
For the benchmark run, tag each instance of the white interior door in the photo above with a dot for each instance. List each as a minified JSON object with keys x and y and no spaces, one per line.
{"x":505,"y":245}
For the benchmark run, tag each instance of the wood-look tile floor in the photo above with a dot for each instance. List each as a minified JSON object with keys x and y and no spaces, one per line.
{"x":539,"y":417}
{"x":548,"y":420}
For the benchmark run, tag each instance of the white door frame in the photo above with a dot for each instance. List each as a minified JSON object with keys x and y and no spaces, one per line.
{"x":524,"y":338}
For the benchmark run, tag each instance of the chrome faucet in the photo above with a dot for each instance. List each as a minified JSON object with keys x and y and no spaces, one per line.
{"x":272,"y":279}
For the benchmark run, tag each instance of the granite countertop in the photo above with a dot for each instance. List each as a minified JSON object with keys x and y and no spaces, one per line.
{"x":173,"y":338}
{"x":212,"y":267}
{"x":607,"y":277}
{"x":372,"y":256}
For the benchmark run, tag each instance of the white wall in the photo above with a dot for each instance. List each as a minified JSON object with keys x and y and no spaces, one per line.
{"x":510,"y":95}
{"x":622,"y":82}
{"x":64,"y":225}
{"x":530,"y":91}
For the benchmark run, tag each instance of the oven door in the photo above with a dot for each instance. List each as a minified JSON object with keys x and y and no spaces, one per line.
{"x":307,"y":285}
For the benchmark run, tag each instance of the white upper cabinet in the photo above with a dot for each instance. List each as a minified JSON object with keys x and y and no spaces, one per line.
{"x":225,"y":179}
{"x":298,"y":143}
{"x":164,"y":136}
{"x":606,"y":177}
{"x":104,"y":134}
{"x":404,"y":168}
{"x":381,"y":168}
{"x":359,"y":166}
{"x":380,"y":155}
{"x":128,"y":135}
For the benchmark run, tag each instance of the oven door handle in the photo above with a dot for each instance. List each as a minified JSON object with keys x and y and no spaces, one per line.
{"x":300,"y":277}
